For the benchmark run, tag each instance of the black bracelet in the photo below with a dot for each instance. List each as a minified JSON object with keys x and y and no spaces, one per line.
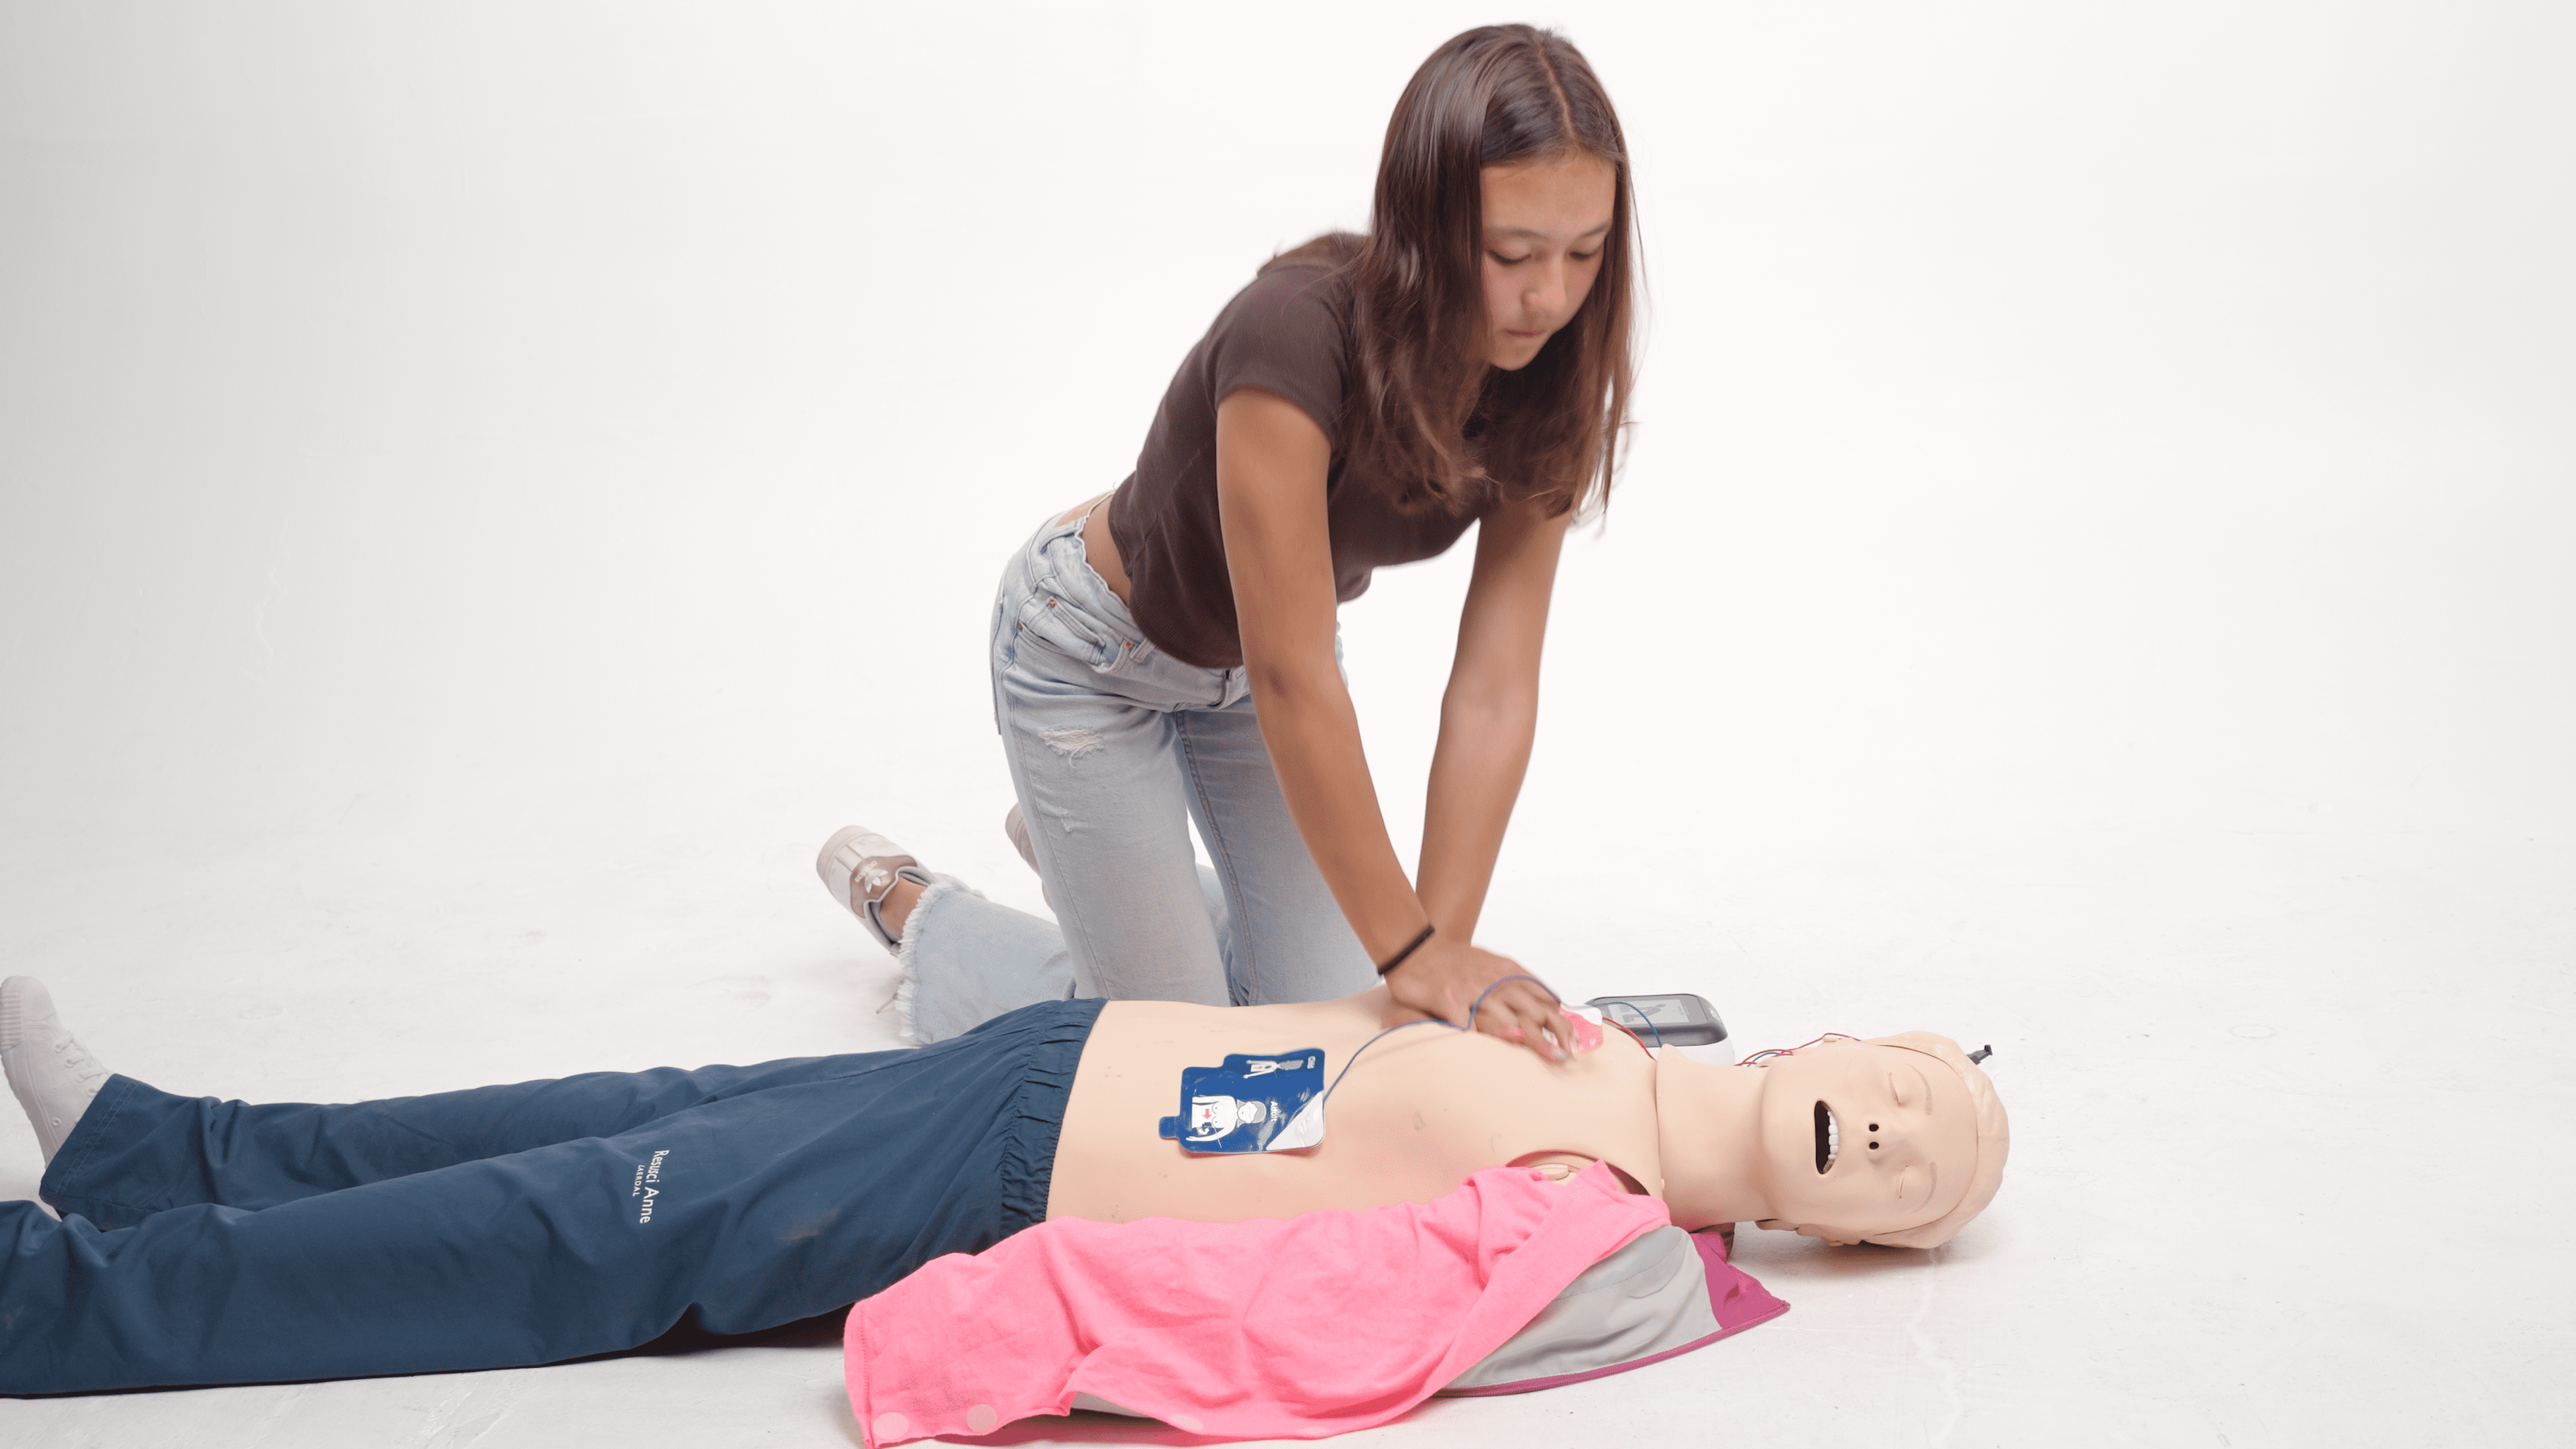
{"x":1410,"y":947}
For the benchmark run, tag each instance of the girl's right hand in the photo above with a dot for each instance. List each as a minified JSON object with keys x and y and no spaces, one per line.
{"x":1444,"y":978}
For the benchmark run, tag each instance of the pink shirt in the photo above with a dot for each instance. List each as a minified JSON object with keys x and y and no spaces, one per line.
{"x":1296,"y":1328}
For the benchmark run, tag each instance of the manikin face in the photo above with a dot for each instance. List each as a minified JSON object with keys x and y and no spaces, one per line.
{"x":1865,"y":1139}
{"x":1545,"y":225}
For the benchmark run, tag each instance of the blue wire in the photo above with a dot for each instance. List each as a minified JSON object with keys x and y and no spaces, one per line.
{"x":1472,"y":1006}
{"x":1364,"y":1046}
{"x":1641,"y":1016}
{"x":1489,"y":990}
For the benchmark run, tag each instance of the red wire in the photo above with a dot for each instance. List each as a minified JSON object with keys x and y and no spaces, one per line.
{"x":1793,"y":1051}
{"x":1632,"y":1035}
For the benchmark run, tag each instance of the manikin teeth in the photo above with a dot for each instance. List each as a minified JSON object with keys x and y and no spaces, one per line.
{"x":1829,"y":1137}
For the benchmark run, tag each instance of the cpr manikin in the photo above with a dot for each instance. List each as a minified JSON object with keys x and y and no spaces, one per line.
{"x":1898,"y":1140}
{"x":209,"y":1241}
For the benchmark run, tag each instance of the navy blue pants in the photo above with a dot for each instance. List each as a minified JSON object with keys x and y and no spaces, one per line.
{"x":208,"y":1242}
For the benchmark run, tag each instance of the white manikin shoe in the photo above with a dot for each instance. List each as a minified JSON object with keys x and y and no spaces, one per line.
{"x":858,"y":867}
{"x":53,"y":1076}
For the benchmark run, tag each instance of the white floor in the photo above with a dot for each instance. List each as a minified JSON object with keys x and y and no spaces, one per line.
{"x":2276,"y":1095}
{"x":484,"y":492}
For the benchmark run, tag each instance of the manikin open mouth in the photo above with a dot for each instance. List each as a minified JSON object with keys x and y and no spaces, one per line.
{"x":1829,"y":1137}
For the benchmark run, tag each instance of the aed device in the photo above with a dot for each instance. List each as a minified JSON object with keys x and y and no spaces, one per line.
{"x":1675,"y":1019}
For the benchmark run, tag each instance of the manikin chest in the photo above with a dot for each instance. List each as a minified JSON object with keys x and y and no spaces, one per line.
{"x":1418,"y":1112}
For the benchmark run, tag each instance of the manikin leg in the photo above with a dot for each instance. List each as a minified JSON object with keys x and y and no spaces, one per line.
{"x":517,"y":1225}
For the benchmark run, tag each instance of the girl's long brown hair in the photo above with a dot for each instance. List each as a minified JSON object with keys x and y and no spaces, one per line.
{"x":1426,"y":412}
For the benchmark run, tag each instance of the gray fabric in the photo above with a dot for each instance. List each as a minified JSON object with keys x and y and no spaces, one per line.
{"x":1649,"y":1297}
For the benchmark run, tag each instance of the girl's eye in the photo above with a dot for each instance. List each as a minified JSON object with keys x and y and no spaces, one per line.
{"x":1507,"y":261}
{"x":1584,"y":256}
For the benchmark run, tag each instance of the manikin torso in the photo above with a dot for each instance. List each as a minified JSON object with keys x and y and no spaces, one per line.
{"x":1418,"y":1112}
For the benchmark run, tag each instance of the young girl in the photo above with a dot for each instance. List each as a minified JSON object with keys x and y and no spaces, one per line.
{"x":1170,"y":649}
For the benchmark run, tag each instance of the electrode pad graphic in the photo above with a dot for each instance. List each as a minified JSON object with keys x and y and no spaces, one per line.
{"x":1267,"y":1103}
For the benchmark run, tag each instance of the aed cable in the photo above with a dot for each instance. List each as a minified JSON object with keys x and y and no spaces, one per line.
{"x":1431,"y":1021}
{"x":1641,"y":1016}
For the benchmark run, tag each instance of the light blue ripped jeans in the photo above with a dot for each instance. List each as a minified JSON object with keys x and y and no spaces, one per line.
{"x":1114,"y":748}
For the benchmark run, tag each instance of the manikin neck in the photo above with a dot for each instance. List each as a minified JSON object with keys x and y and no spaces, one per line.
{"x":1709,"y":1125}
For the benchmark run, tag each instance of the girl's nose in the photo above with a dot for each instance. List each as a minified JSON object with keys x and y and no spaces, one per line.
{"x":1547,"y":298}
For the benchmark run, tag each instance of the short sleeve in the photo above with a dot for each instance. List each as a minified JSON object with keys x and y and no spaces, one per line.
{"x":1287,"y":333}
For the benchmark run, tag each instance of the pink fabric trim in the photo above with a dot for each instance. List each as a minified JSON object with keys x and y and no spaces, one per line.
{"x":1736,"y":1299}
{"x":1297,"y":1328}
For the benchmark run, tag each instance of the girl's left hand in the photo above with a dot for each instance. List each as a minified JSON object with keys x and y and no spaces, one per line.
{"x":1444,"y":978}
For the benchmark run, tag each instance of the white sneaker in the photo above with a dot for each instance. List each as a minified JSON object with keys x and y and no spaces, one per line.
{"x":858,"y":867}
{"x":53,"y":1076}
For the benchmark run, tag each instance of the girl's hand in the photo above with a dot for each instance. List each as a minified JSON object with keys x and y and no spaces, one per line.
{"x":1444,"y":978}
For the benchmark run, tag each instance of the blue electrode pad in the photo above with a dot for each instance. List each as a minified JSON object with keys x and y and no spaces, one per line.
{"x":1268,"y":1103}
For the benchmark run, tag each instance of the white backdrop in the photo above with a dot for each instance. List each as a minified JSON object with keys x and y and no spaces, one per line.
{"x":485,"y":488}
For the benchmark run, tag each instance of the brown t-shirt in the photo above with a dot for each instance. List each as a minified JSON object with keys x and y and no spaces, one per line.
{"x":1288,"y":333}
